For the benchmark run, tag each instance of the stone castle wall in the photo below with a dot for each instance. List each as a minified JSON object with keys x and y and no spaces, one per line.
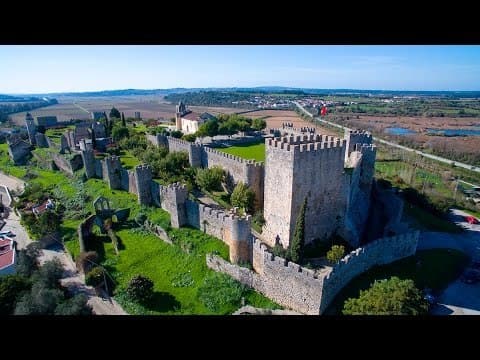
{"x":247,"y":171}
{"x":380,"y":252}
{"x":304,"y":290}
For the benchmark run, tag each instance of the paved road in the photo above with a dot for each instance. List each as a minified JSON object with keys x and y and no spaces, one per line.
{"x":81,"y":108}
{"x":430,"y":156}
{"x":458,"y":298}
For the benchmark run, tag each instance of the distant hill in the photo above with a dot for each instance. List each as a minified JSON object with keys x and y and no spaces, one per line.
{"x":266,"y":89}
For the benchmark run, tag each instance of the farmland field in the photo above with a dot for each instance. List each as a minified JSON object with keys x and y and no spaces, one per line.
{"x":275,"y":119}
{"x":80,"y":108}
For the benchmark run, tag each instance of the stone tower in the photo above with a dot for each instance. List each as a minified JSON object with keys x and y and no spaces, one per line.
{"x":180,"y":110}
{"x":31,"y":128}
{"x":112,"y":172}
{"x":143,"y":178}
{"x":240,"y":246}
{"x":354,"y":138}
{"x":298,"y":167}
{"x":88,"y":158}
{"x":173,"y":198}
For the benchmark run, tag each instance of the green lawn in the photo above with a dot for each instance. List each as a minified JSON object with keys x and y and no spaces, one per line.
{"x":424,"y":220}
{"x":129,"y":161}
{"x":254,"y":151}
{"x":433,"y":269}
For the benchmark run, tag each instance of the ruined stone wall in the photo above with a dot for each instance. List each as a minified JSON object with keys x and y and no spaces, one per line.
{"x":88,"y":157}
{"x":68,"y":166}
{"x":172,"y":199}
{"x":309,"y":166}
{"x":380,"y":252}
{"x":112,"y":172}
{"x":43,"y":141}
{"x":143,"y":180}
{"x":98,"y":168}
{"x":85,"y":231}
{"x":19,"y":152}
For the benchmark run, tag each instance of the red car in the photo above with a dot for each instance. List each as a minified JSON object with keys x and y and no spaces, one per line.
{"x":471,"y":220}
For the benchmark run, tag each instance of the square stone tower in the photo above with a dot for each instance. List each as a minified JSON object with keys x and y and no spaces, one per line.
{"x":300,"y":166}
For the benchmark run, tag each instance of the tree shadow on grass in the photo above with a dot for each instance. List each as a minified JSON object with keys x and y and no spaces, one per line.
{"x":163,"y":302}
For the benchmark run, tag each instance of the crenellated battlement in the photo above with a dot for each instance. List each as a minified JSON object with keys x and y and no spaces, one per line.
{"x":183,"y":142}
{"x":232,"y":157}
{"x":365,"y":133}
{"x":306,"y":143}
{"x":277,"y":263}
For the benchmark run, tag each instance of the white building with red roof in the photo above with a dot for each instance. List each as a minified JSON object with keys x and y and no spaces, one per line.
{"x":7,"y":256}
{"x":188,"y":121}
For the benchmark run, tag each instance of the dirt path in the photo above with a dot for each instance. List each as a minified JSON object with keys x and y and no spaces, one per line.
{"x":72,"y":279}
{"x":75,"y":283}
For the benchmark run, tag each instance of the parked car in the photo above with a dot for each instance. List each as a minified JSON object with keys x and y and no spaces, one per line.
{"x":471,"y":220}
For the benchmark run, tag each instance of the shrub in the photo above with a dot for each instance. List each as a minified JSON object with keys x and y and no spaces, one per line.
{"x":84,"y":261}
{"x":95,"y":276}
{"x":335,"y":253}
{"x":210,"y":179}
{"x":388,"y":297}
{"x":140,"y":289}
{"x":243,"y":197}
{"x":219,"y":290}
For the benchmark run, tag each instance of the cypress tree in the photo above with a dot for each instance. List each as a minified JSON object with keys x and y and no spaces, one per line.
{"x":298,"y":241}
{"x":124,"y":124}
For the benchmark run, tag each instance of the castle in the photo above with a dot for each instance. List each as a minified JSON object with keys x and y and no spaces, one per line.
{"x":336,"y":178}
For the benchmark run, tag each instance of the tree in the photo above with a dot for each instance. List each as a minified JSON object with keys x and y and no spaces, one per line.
{"x":210,"y":179}
{"x":140,"y":289}
{"x":243,"y":197}
{"x":388,"y":297}
{"x":41,"y":300}
{"x":11,"y":288}
{"x":95,"y":276}
{"x":298,"y":241}
{"x":124,"y":124}
{"x":119,"y":133}
{"x":27,"y":260}
{"x":259,"y":124}
{"x":189,"y":137}
{"x":208,"y":128}
{"x":50,"y":273}
{"x":114,"y":113}
{"x":336,"y":253}
{"x":76,"y":305}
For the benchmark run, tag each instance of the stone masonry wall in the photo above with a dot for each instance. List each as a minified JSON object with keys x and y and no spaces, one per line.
{"x":304,"y":290}
{"x":247,"y":171}
{"x":309,"y":166}
{"x":67,"y":166}
{"x":380,"y":252}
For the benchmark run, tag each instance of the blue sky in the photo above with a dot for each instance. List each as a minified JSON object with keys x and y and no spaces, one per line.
{"x":43,"y":69}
